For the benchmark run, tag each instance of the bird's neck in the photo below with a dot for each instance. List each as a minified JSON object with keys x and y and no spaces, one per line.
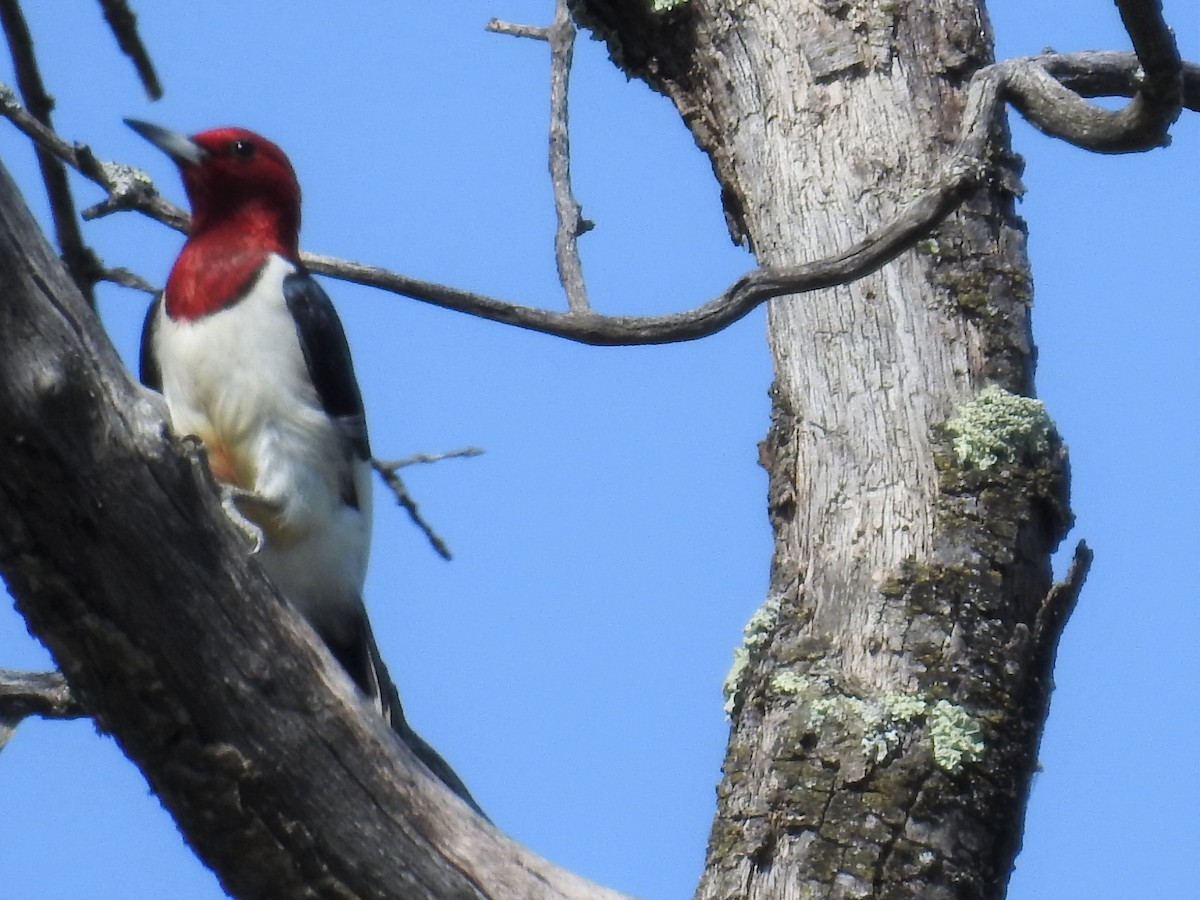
{"x":220,"y":260}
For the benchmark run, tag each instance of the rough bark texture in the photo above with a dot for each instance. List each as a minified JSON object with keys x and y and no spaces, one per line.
{"x":890,"y":695}
{"x":114,"y":545}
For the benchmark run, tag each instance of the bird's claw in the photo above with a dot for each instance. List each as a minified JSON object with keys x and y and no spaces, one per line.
{"x":251,"y":531}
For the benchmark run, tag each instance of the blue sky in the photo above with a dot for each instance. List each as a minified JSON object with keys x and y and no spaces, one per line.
{"x":612,"y":541}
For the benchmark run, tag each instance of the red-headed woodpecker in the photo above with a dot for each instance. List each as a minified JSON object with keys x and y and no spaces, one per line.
{"x":250,"y":356}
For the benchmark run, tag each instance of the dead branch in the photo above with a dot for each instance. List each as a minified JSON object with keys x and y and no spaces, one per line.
{"x":123,"y":23}
{"x":533,"y":32}
{"x":44,"y":694}
{"x":80,"y":260}
{"x":560,"y":35}
{"x":389,"y":471}
{"x":1058,"y":605}
{"x":1049,"y":88}
{"x":427,"y":458}
{"x":125,"y":278}
{"x":1142,"y":124}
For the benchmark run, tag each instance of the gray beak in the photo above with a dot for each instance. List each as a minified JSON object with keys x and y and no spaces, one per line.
{"x":179,"y":147}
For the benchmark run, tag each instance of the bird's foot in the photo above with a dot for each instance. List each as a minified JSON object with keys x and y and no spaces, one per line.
{"x":233,"y":501}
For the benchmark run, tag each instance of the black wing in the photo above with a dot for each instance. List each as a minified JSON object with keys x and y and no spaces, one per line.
{"x":327,"y":355}
{"x":148,"y":370}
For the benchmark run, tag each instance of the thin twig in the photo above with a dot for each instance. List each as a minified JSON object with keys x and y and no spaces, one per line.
{"x":128,"y":187}
{"x":535,"y":32}
{"x":388,"y":471}
{"x":560,"y":35}
{"x":81,"y":262}
{"x":126,"y":278}
{"x":123,"y":23}
{"x":426,"y":458}
{"x":571,"y":223}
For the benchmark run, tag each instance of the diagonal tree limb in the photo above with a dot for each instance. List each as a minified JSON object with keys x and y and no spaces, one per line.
{"x":389,"y":471}
{"x":428,"y":458}
{"x":123,"y":23}
{"x":115,"y":547}
{"x":80,"y":260}
{"x":125,"y":278}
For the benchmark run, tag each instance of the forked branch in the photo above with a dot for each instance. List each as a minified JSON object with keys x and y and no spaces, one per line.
{"x":560,"y":35}
{"x":389,"y":471}
{"x":1050,"y":89}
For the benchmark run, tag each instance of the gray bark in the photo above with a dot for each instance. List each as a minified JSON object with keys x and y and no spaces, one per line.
{"x":886,"y":719}
{"x":113,"y":543}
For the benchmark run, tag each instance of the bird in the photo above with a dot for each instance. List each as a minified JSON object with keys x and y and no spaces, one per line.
{"x":250,"y":356}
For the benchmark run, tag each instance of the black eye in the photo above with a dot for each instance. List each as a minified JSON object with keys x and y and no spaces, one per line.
{"x":242,"y":149}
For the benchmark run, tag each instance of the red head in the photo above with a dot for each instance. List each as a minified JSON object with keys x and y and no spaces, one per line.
{"x":245,"y":205}
{"x":246,"y":178}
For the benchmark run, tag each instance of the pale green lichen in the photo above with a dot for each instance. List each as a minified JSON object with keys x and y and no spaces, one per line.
{"x":754,"y":635}
{"x":759,"y":628}
{"x":833,"y":707}
{"x":903,"y":706}
{"x":998,"y":426}
{"x":955,"y":735}
{"x":888,"y":722}
{"x":124,"y":177}
{"x":839,"y":707}
{"x":733,"y":678}
{"x":790,"y":683}
{"x":878,"y":742}
{"x":660,"y":6}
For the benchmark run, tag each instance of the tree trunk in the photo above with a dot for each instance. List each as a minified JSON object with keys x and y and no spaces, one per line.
{"x":887,"y":704}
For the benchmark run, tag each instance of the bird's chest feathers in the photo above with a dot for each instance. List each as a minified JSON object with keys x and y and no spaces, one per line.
{"x":203,"y":281}
{"x":237,"y":379}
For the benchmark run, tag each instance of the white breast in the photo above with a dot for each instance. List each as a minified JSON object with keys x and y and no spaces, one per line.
{"x":237,"y":379}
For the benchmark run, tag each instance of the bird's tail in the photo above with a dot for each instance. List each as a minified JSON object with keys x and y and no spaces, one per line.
{"x":382,"y":689}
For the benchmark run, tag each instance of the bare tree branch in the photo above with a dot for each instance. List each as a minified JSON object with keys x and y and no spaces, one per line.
{"x":128,"y":187}
{"x":123,"y":23}
{"x":389,"y":471}
{"x":427,"y":458}
{"x":128,"y":279}
{"x":534,"y":32}
{"x":1059,"y":604}
{"x":560,"y":35}
{"x":24,"y":694}
{"x":571,"y":223}
{"x":1029,"y":83}
{"x":81,"y":261}
{"x":44,"y":694}
{"x":1142,"y":124}
{"x":1108,"y":73}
